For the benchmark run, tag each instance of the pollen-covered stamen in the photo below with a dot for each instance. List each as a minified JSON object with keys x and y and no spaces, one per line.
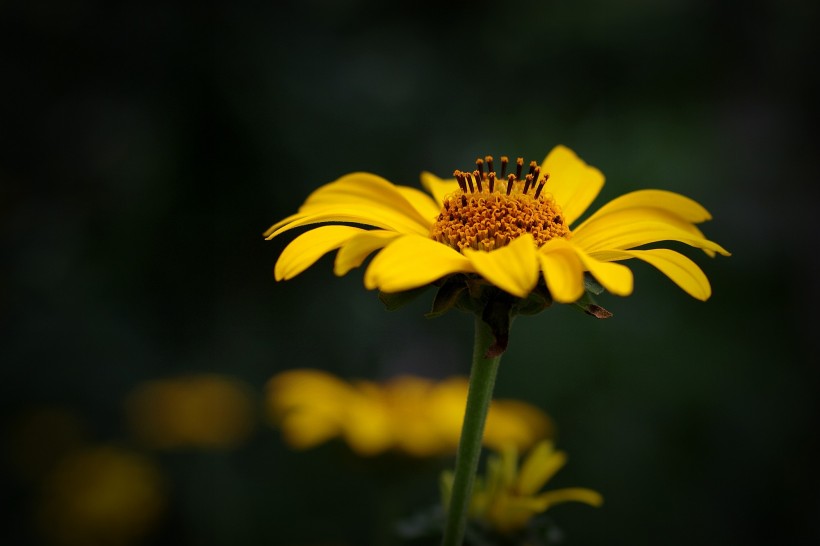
{"x":541,"y":187}
{"x":533,"y":165}
{"x":460,"y":179}
{"x":527,"y":183}
{"x":494,"y":214}
{"x":535,"y":174}
{"x":519,"y":164}
{"x":504,"y":161}
{"x":479,"y":165}
{"x":489,"y":160}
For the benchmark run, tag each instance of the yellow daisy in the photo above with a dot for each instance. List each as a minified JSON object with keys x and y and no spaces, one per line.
{"x":509,"y":228}
{"x":407,"y":414}
{"x":508,"y":497}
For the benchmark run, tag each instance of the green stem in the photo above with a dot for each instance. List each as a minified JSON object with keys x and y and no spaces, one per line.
{"x":482,"y":381}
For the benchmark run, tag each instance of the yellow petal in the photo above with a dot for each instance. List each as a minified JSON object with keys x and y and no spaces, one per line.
{"x":306,"y":387}
{"x":562,"y":270}
{"x":306,"y":249}
{"x":683,"y":271}
{"x":359,"y":247}
{"x":509,"y":465}
{"x":539,"y":467}
{"x":572,"y":182}
{"x":515,"y":422}
{"x":438,"y":188}
{"x":422,"y":202}
{"x":413,"y":261}
{"x":357,"y":214}
{"x":306,"y":429}
{"x":577,"y":494}
{"x":364,"y":189}
{"x":616,"y":278}
{"x":367,"y":426}
{"x":513,"y":268}
{"x":683,"y":207}
{"x":629,"y":228}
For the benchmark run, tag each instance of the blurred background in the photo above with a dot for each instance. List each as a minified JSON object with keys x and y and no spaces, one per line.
{"x":144,"y":148}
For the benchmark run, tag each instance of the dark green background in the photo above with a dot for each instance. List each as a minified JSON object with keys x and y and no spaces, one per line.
{"x":145,"y":148}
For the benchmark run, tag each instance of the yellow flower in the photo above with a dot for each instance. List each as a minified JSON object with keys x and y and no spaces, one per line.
{"x":411,"y":415}
{"x":101,"y":495}
{"x":508,"y":497}
{"x":202,"y":411}
{"x":510,"y":229}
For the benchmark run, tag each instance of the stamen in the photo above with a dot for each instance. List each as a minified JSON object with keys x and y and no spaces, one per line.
{"x":527,"y":183}
{"x":469,"y":182}
{"x":519,"y":163}
{"x":460,"y":179}
{"x":541,"y":187}
{"x":472,"y":218}
{"x":504,"y":161}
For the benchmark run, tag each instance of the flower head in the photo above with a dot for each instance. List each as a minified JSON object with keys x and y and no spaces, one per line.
{"x":507,"y":498}
{"x":200,"y":411}
{"x":512,"y":230}
{"x":406,"y":414}
{"x":101,"y":495}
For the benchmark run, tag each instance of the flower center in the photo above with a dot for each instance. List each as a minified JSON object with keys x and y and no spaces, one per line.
{"x":488,"y":211}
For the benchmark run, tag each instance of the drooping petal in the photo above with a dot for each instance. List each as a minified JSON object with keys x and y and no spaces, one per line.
{"x":438,"y":187}
{"x":366,"y":189}
{"x":370,"y":199}
{"x":562,"y":270}
{"x":572,"y":182}
{"x":539,"y":467}
{"x":356,"y":214}
{"x":413,"y":261}
{"x":306,"y":249}
{"x":359,"y":247}
{"x":683,"y":271}
{"x":513,"y":268}
{"x":683,"y":207}
{"x":616,"y":278}
{"x":630,"y":228}
{"x":576,"y":494}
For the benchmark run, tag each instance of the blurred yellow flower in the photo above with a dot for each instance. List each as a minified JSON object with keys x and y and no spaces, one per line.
{"x":103,"y":496}
{"x":511,"y":230}
{"x":203,"y":411}
{"x":507,"y":498}
{"x":412,"y":415}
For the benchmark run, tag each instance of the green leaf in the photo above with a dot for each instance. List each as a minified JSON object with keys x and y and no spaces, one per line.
{"x":397,"y":300}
